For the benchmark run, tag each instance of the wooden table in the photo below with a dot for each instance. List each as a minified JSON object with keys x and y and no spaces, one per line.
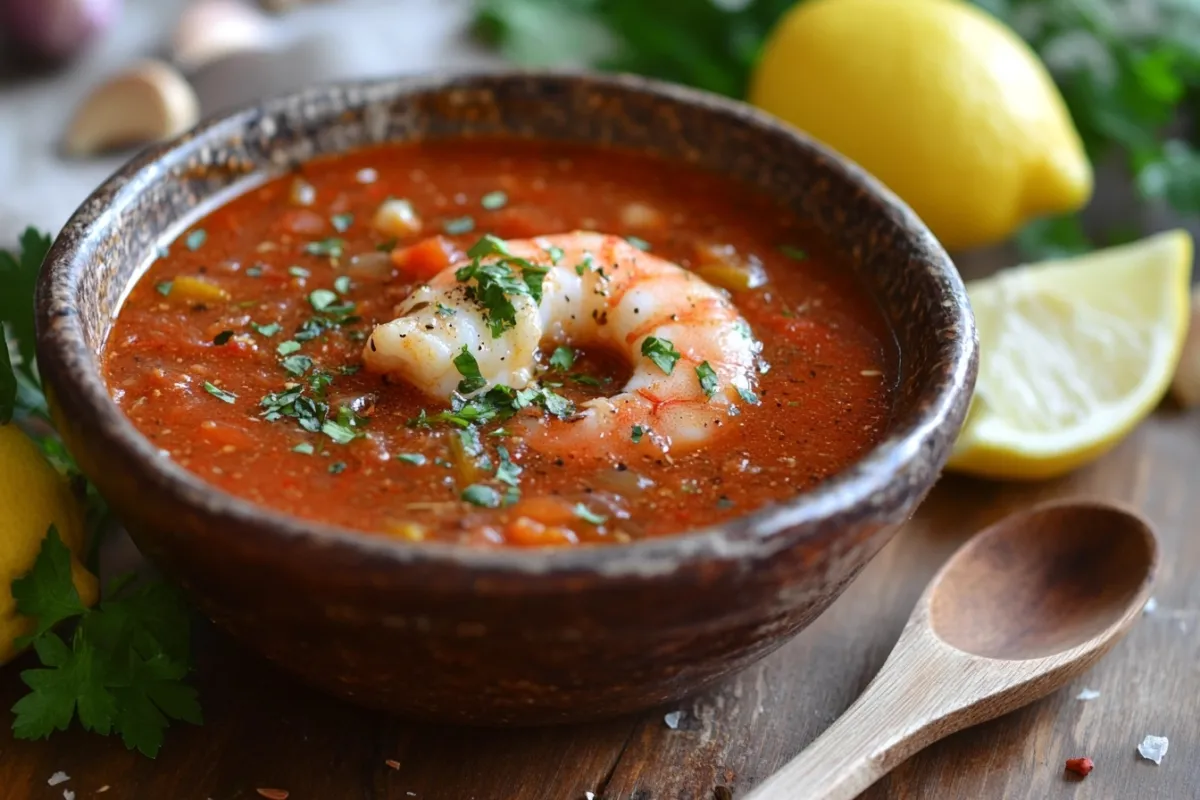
{"x":263,"y":730}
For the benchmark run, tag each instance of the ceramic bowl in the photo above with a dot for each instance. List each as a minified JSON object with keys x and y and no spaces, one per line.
{"x":445,"y":632}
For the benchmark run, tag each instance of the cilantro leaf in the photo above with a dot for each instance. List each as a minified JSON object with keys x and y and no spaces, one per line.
{"x":332,"y":247}
{"x":507,"y":471}
{"x":562,"y":358}
{"x":494,"y":201}
{"x":589,"y":516}
{"x":468,"y":367}
{"x":708,"y":379}
{"x":637,"y":434}
{"x":661,"y":352}
{"x":219,"y":393}
{"x":479,"y":495}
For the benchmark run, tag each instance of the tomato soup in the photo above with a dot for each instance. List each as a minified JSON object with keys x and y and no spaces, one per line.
{"x":240,"y":352}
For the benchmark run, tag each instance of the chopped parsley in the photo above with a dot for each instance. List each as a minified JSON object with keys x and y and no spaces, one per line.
{"x":298,"y":272}
{"x":794,"y":253}
{"x":342,"y":222}
{"x":341,"y":284}
{"x":708,"y":379}
{"x":311,"y":329}
{"x":220,"y":394}
{"x":562,"y":358}
{"x":747,"y":396}
{"x":164,"y":288}
{"x":305,"y":448}
{"x":469,"y":439}
{"x":555,"y":253}
{"x":589,"y":516}
{"x":586,"y":380}
{"x":332,"y":247}
{"x":640,"y":244}
{"x":254,"y":272}
{"x":222,"y":337}
{"x":411,"y":458}
{"x":337,"y":468}
{"x":507,"y":471}
{"x":494,"y":201}
{"x":297,"y":365}
{"x":288,"y":347}
{"x":444,"y":311}
{"x":343,"y":429}
{"x":586,"y":265}
{"x":458,"y":225}
{"x":497,"y":403}
{"x":661,"y":352}
{"x":322,"y":299}
{"x":638,"y":433}
{"x":497,"y":282}
{"x":468,"y":367}
{"x":268,"y":330}
{"x":196,"y":239}
{"x":479,"y":495}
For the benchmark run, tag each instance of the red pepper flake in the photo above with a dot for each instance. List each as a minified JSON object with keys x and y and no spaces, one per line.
{"x":1080,"y":766}
{"x":393,"y":763}
{"x":273,"y":794}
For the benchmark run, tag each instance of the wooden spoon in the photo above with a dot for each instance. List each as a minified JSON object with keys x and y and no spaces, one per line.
{"x":1021,"y":609}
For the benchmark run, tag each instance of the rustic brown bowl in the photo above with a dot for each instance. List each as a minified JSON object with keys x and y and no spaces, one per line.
{"x":500,"y":637}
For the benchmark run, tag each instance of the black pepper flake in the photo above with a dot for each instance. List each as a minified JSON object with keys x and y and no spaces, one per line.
{"x":372,"y":344}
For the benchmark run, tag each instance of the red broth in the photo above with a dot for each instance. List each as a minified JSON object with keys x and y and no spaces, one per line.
{"x":197,"y":347}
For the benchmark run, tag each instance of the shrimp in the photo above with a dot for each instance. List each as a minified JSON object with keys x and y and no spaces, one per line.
{"x":693,"y":356}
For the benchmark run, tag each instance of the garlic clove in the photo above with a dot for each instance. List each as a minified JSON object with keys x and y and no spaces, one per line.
{"x":1186,"y":385}
{"x":145,"y":103}
{"x":211,"y":29}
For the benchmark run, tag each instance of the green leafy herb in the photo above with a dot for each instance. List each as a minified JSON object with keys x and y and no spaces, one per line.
{"x":322,"y":299}
{"x":794,"y":253}
{"x":555,"y":253}
{"x":164,"y":288}
{"x":562,"y":358}
{"x":332,"y":247}
{"x":507,"y":471}
{"x":586,"y":380}
{"x":496,"y":282}
{"x":444,"y":311}
{"x":337,"y":468}
{"x":297,"y":364}
{"x":341,"y":284}
{"x":341,"y":434}
{"x":458,"y":226}
{"x":220,"y":394}
{"x":123,"y":670}
{"x":288,"y":347}
{"x":342,"y":222}
{"x":708,"y":379}
{"x":638,"y":433}
{"x":298,"y":272}
{"x":478,"y":494}
{"x":411,"y":458}
{"x":589,"y":516}
{"x":468,"y":367}
{"x":493,"y":201}
{"x":222,"y":337}
{"x":496,"y":404}
{"x":747,"y":396}
{"x":661,"y":352}
{"x":267,"y":330}
{"x":196,"y":239}
{"x":255,"y":271}
{"x":305,"y":448}
{"x":640,"y":244}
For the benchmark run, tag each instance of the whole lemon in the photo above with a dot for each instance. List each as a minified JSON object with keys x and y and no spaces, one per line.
{"x":937,"y":99}
{"x":33,"y":496}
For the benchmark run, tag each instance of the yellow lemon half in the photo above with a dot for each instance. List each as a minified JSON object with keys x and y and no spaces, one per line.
{"x":33,"y":496}
{"x":1072,"y":355}
{"x":937,"y":99}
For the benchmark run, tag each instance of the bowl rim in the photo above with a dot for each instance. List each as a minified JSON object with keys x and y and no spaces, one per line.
{"x":63,"y":353}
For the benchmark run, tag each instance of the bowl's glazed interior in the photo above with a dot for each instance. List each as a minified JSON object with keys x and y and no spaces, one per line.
{"x":448,"y":632}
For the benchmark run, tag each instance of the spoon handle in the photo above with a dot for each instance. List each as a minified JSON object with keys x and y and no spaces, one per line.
{"x":905,"y":708}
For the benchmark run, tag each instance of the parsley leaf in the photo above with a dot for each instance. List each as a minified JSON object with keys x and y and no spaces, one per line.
{"x":496,"y":282}
{"x":46,"y":592}
{"x":411,"y":458}
{"x":196,"y":239}
{"x":494,"y":201}
{"x":507,"y":471}
{"x":661,"y":352}
{"x":708,"y":379}
{"x":267,"y":330}
{"x":468,"y":367}
{"x":219,"y":393}
{"x":332,"y":247}
{"x":562,"y":358}
{"x":297,"y":364}
{"x":589,"y":516}
{"x":478,"y":494}
{"x":342,"y":222}
{"x":638,"y":433}
{"x":18,"y":277}
{"x":459,"y":225}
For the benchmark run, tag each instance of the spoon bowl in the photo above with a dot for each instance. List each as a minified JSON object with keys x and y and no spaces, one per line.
{"x":1043,"y":581}
{"x":1021,"y":609}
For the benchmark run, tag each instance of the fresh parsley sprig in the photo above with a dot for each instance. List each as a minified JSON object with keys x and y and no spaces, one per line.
{"x":496,"y":282}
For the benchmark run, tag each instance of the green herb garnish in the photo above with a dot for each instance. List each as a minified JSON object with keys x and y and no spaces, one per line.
{"x":638,"y":433}
{"x":562,"y":358}
{"x":196,"y":239}
{"x":330,"y":248}
{"x":507,"y":471}
{"x":267,"y":330}
{"x":337,"y":468}
{"x":494,"y":201}
{"x":458,"y":226}
{"x":589,"y":516}
{"x":747,"y":396}
{"x":305,"y":448}
{"x":322,"y":299}
{"x":794,"y":253}
{"x":297,"y":365}
{"x":468,"y":367}
{"x":708,"y":379}
{"x":478,"y":494}
{"x":298,"y":272}
{"x":411,"y":458}
{"x":341,"y":284}
{"x":496,"y":282}
{"x":220,"y":394}
{"x":288,"y":347}
{"x":342,"y":222}
{"x":164,"y":288}
{"x":661,"y":352}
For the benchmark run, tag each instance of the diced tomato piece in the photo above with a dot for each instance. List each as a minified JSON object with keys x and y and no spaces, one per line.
{"x":426,"y":258}
{"x":528,"y":532}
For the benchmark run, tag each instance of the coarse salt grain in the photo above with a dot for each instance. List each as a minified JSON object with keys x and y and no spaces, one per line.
{"x":57,"y":778}
{"x":68,"y":794}
{"x":1087,"y":694}
{"x":589,"y":796}
{"x":1150,"y":607}
{"x":672,"y":719}
{"x":1153,"y":748}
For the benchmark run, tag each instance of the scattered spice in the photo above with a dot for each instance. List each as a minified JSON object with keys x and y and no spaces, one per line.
{"x":1080,"y":766}
{"x":57,"y":778}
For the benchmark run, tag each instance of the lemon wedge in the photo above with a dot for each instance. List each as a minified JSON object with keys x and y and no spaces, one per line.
{"x":1073,"y":354}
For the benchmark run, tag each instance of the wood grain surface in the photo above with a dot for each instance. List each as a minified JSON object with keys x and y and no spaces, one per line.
{"x":262,"y":730}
